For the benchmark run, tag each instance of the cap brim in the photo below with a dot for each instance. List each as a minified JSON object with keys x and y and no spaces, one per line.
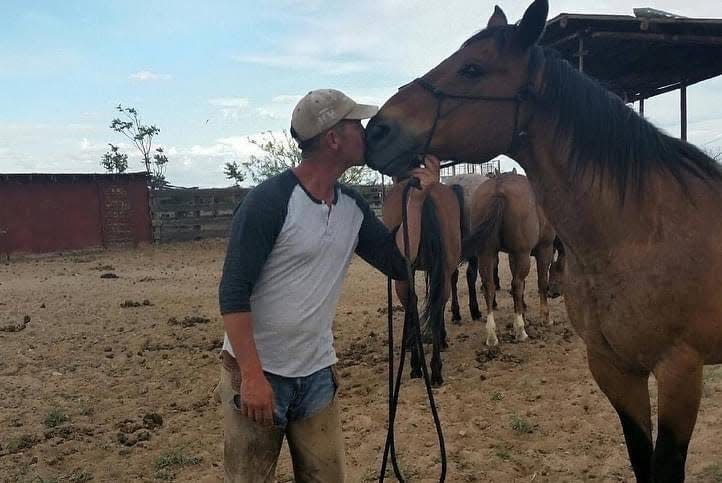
{"x":362,"y":111}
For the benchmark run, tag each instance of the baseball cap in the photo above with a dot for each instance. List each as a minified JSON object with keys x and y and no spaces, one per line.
{"x":322,"y":109}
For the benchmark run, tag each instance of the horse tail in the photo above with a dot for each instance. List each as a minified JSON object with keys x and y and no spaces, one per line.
{"x":489,"y":227}
{"x":431,"y":251}
{"x":464,"y":223}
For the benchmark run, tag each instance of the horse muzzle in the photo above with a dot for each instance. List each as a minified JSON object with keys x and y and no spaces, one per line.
{"x":389,"y":148}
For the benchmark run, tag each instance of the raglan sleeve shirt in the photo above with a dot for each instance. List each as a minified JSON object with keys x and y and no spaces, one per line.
{"x":255,"y":227}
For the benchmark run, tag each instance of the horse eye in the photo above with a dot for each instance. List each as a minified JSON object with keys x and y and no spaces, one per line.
{"x":471,"y":71}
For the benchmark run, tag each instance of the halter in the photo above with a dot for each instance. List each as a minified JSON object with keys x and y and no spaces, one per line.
{"x":517,"y":136}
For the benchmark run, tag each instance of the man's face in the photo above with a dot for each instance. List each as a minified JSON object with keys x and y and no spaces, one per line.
{"x":352,"y":135}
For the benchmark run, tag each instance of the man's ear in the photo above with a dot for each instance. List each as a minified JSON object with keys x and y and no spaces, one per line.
{"x":332,"y":139}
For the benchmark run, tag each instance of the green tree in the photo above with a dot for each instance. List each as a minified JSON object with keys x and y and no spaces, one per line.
{"x":114,"y":161}
{"x":280,"y":154}
{"x":141,"y":136}
{"x":234,"y":172}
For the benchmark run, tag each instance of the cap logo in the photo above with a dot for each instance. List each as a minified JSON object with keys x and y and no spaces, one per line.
{"x":327,"y":114}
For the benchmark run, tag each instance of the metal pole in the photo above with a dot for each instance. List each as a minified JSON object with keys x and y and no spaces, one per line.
{"x":641,"y":107}
{"x":581,"y":54}
{"x":683,"y":110}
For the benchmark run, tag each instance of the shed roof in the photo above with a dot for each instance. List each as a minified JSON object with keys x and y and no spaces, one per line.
{"x":639,"y":57}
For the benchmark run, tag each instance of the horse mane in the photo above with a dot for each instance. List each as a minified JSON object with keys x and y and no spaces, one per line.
{"x":615,"y":141}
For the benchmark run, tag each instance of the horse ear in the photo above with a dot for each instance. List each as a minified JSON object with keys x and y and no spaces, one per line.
{"x":497,"y":19}
{"x":532,"y":24}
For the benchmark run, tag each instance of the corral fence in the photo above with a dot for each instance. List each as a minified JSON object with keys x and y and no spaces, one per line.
{"x":184,"y":214}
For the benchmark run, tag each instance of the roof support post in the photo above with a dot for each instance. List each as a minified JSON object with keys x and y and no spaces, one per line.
{"x":580,"y":53}
{"x":683,"y":110}
{"x":641,"y":107}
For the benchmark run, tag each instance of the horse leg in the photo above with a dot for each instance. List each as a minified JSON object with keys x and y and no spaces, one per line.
{"x":455,"y":314}
{"x":679,"y":382}
{"x":544,"y":255}
{"x":471,"y":274}
{"x":439,"y":342}
{"x":497,"y":283}
{"x":629,"y":395}
{"x":402,"y":288}
{"x":486,"y":272}
{"x":520,"y":265}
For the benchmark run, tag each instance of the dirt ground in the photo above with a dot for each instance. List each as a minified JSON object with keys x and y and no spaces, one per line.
{"x":111,"y":379}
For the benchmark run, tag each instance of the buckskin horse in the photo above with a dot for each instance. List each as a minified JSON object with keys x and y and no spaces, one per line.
{"x":636,"y":209}
{"x":506,"y":217}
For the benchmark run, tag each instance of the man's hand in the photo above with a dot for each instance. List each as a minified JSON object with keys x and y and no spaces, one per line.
{"x":428,"y":174}
{"x":257,"y":398}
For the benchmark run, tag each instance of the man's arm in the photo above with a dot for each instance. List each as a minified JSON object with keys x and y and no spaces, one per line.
{"x":256,"y":225}
{"x":256,"y":392}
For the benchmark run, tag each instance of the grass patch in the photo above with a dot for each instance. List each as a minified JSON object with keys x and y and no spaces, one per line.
{"x":503,"y":454}
{"x":713,"y":374}
{"x":80,"y":476}
{"x":26,"y":441}
{"x":521,"y":425}
{"x":55,"y":417}
{"x":497,"y":396}
{"x":169,"y":461}
{"x":713,"y":473}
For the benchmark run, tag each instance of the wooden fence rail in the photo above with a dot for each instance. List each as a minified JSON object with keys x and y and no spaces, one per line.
{"x":196,"y":214}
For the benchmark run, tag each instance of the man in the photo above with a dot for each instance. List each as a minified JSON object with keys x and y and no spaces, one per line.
{"x":291,"y":243}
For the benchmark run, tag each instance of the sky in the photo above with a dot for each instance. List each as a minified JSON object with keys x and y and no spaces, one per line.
{"x":213,"y":74}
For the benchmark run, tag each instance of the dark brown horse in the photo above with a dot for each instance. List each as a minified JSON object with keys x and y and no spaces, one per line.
{"x":439,"y":255}
{"x":637,"y":210}
{"x":506,"y":217}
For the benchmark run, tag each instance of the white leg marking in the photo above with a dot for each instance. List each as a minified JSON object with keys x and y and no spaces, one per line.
{"x":519,"y":328}
{"x":491,"y":339}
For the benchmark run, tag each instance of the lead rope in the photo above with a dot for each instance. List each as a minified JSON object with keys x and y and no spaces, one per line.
{"x":411,"y":323}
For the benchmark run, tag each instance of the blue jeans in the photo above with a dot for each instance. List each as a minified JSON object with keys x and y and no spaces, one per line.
{"x":297,"y":398}
{"x":307,"y":415}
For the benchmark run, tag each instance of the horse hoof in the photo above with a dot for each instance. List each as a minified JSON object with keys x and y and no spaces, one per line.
{"x":437,"y":382}
{"x":522,"y":337}
{"x":416,"y":374}
{"x":476,"y":316}
{"x":456,"y":318}
{"x":444,"y":346}
{"x":492,"y":341}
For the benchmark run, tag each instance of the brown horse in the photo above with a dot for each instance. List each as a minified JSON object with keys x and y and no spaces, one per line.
{"x":506,"y":217}
{"x":439,"y":254}
{"x":467,"y":184}
{"x":637,"y":210}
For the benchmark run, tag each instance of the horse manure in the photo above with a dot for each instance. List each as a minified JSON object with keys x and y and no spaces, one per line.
{"x":189,"y":321}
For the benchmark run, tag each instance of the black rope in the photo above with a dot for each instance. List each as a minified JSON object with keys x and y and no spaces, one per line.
{"x":411,"y":323}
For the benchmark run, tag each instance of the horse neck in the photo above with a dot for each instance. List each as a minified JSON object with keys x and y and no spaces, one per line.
{"x":589,"y":218}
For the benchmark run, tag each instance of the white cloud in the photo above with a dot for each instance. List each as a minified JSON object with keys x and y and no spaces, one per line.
{"x":328,"y":66}
{"x":146,"y":75}
{"x":230,"y":107}
{"x":286,"y":99}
